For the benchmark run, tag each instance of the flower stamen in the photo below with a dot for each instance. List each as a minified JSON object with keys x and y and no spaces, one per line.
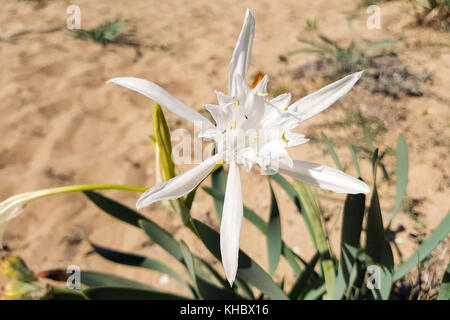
{"x":233,"y":125}
{"x":283,"y":137}
{"x":262,"y":94}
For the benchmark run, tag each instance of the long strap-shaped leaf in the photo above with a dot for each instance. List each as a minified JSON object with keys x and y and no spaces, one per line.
{"x":444,"y":291}
{"x":379,"y":252}
{"x":248,"y":269}
{"x":310,"y":209}
{"x":156,"y":233}
{"x":300,"y":286}
{"x":256,"y":220}
{"x":138,"y":261}
{"x":205,"y":289}
{"x":331,"y":151}
{"x":218,"y":193}
{"x":402,"y":176}
{"x":98,"y":279}
{"x":274,"y":234}
{"x":114,"y":208}
{"x":350,"y":240}
{"x":293,"y":195}
{"x":438,"y":235}
{"x":122,"y":293}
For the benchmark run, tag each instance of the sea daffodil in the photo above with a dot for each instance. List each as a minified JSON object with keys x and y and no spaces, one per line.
{"x":250,"y":129}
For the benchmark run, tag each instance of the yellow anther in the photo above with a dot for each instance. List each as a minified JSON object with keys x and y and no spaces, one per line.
{"x":259,"y":76}
{"x":262,"y":94}
{"x":286,"y":106}
{"x":284,"y":138}
{"x":256,"y":138}
{"x":236,"y":102}
{"x":233,"y":126}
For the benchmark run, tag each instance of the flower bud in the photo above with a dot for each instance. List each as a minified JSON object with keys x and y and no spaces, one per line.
{"x":163,"y":141}
{"x":17,"y":289}
{"x":14,"y":267}
{"x":165,"y":167}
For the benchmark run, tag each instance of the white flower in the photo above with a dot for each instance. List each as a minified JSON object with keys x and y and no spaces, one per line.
{"x":250,"y":129}
{"x":12,"y":207}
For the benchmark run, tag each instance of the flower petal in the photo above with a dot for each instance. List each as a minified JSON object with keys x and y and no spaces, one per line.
{"x":240,"y":60}
{"x":274,"y":153}
{"x":318,"y":101}
{"x":324,"y":177}
{"x":294,"y":139}
{"x":220,"y":114}
{"x":222,"y":98}
{"x":230,"y":226}
{"x":179,"y":185}
{"x":165,"y":99}
{"x":281,"y":102}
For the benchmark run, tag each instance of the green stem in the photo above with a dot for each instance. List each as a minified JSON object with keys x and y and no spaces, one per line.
{"x":12,"y":206}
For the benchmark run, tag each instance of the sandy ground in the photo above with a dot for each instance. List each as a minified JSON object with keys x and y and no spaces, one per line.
{"x":62,"y":124}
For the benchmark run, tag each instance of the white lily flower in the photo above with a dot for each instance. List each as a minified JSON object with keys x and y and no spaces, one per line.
{"x":250,"y":129}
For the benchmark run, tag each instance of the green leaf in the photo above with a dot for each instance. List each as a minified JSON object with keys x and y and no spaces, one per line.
{"x":311,"y":210}
{"x":444,"y":291}
{"x":355,"y":160}
{"x":245,"y":288}
{"x":188,"y":260}
{"x":219,"y":183}
{"x":138,"y":261}
{"x":378,"y":250}
{"x":172,"y":246}
{"x":313,"y":51}
{"x":256,"y":220}
{"x":162,"y":238}
{"x":97,"y":279}
{"x":366,"y":131}
{"x":123,"y":213}
{"x":205,"y":289}
{"x":379,"y":45}
{"x":438,"y":235}
{"x":292,"y":194}
{"x":402,"y":173}
{"x":328,"y":41}
{"x":316,"y":293}
{"x":375,"y":231}
{"x":325,"y":49}
{"x":288,"y":188}
{"x":350,"y":241}
{"x":274,"y":235}
{"x":64,"y":293}
{"x":248,"y":270}
{"x":120,"y":293}
{"x":190,"y":199}
{"x":248,"y":213}
{"x":114,"y":208}
{"x":223,"y":282}
{"x":300,"y":287}
{"x":290,"y":257}
{"x":331,"y":151}
{"x":212,"y":292}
